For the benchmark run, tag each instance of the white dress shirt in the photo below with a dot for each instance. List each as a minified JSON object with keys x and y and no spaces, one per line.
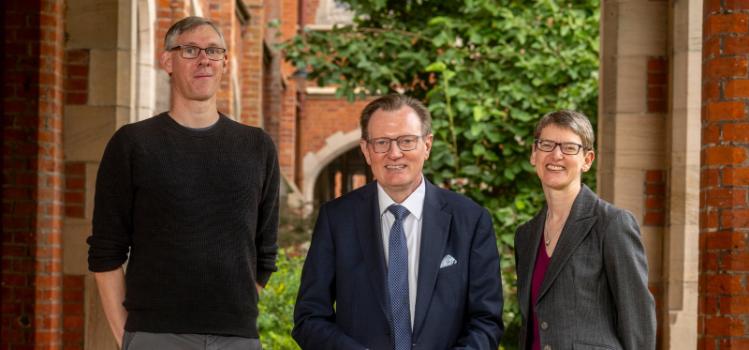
{"x":412,"y":229}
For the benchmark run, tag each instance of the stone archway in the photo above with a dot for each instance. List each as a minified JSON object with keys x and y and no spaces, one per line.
{"x":314,"y":162}
{"x":344,"y":174}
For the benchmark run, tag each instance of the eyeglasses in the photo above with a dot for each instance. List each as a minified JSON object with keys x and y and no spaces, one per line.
{"x":189,"y":52}
{"x":568,"y":148}
{"x":405,"y":143}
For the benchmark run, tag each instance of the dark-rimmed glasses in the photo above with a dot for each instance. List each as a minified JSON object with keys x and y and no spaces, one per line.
{"x":405,"y":143}
{"x":568,"y":148}
{"x":190,"y":52}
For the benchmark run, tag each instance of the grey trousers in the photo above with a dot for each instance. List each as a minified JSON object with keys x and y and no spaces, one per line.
{"x":170,"y":341}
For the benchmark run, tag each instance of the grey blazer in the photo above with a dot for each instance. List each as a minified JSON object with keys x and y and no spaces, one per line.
{"x":595,"y":292}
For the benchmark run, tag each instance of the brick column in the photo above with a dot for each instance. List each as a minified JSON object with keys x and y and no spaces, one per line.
{"x":252,"y":65}
{"x":32,"y":175}
{"x":223,"y":14}
{"x":287,"y":125}
{"x":287,"y":131}
{"x":724,"y":213}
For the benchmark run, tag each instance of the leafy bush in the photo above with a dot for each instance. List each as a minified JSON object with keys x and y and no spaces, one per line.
{"x":276,"y":305}
{"x":488,"y":70}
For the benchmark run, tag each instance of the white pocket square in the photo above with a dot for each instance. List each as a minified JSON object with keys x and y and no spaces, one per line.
{"x":448,"y":260}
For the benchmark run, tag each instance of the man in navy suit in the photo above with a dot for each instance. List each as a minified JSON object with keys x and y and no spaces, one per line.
{"x":399,"y":263}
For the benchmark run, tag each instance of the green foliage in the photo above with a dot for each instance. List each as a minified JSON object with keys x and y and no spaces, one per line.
{"x":488,"y":70}
{"x":276,"y":305}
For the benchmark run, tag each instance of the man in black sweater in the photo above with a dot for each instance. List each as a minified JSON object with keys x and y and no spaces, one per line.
{"x":189,"y":198}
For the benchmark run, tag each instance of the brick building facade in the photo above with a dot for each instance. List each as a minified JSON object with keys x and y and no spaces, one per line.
{"x":673,"y":145}
{"x":724,"y":206}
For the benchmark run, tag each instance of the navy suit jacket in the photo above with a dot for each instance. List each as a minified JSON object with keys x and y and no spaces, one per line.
{"x":343,"y":298}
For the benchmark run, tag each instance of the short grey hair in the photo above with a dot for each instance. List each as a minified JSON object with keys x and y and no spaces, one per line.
{"x":187,"y":24}
{"x":572,"y":120}
{"x":394,"y":102}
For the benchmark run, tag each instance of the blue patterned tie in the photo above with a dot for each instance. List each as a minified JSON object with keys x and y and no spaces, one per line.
{"x":398,"y":280}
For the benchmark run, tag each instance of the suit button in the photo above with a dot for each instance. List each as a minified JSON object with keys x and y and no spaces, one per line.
{"x":547,"y":347}
{"x":544,"y":325}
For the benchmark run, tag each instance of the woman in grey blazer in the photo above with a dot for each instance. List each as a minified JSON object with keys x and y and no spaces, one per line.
{"x":582,"y":271}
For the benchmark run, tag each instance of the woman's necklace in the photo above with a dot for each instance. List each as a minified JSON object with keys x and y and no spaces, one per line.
{"x":547,"y":233}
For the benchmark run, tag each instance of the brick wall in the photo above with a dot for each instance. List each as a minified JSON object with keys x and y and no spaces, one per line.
{"x":287,"y":133}
{"x":279,"y":94}
{"x":323,"y":116}
{"x":657,"y":88}
{"x":724,"y":213}
{"x":73,"y":325}
{"x":252,"y":68}
{"x":222,"y":13}
{"x":75,"y":189}
{"x":309,"y":11}
{"x":76,"y":76}
{"x":72,"y":309}
{"x":655,"y":198}
{"x":289,"y":16}
{"x":168,"y":12}
{"x":655,"y":214}
{"x":76,"y":92}
{"x":272,"y":94}
{"x":48,"y":255}
{"x":32,"y":175}
{"x":288,"y":128}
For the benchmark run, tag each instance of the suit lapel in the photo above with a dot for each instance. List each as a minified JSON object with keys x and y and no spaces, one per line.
{"x":577,"y":227}
{"x":435,"y":229}
{"x":368,"y":229}
{"x":532,"y":235}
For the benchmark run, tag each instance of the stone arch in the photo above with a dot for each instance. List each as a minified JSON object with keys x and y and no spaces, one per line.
{"x":314,"y":162}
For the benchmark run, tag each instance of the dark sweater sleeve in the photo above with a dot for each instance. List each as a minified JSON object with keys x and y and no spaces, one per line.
{"x":267,"y":230}
{"x":110,"y":240}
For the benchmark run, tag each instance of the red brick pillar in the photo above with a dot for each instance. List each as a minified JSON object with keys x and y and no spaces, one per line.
{"x":287,"y":135}
{"x":724,"y":213}
{"x":32,"y":175}
{"x":252,"y":65}
{"x":287,"y":125}
{"x":223,"y":14}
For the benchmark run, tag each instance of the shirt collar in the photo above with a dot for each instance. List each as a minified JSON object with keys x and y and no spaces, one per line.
{"x":414,"y":202}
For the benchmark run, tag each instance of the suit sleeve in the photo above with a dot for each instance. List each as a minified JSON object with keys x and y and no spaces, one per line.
{"x":627,"y":273}
{"x":314,"y":316}
{"x":484,"y":328}
{"x":267,"y":230}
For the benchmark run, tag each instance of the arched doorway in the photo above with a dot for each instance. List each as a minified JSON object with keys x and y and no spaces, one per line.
{"x":345,"y":173}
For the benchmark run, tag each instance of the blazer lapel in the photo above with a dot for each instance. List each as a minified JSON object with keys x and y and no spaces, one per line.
{"x":577,"y":227}
{"x":368,"y":229}
{"x":435,"y":229}
{"x":532,"y":236}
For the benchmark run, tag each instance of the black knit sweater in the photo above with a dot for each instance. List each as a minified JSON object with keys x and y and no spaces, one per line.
{"x":197,"y":210}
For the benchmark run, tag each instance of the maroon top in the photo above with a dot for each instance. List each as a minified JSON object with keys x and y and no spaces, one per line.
{"x":539,"y":270}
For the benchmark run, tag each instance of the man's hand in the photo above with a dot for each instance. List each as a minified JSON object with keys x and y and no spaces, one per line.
{"x":111,"y":286}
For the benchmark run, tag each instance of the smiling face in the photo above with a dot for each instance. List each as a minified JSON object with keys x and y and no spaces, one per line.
{"x":556,"y":170}
{"x":398,"y":172}
{"x":194,"y":79}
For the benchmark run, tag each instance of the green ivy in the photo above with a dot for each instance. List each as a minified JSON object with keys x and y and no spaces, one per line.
{"x":276,"y":305}
{"x":488,"y":70}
